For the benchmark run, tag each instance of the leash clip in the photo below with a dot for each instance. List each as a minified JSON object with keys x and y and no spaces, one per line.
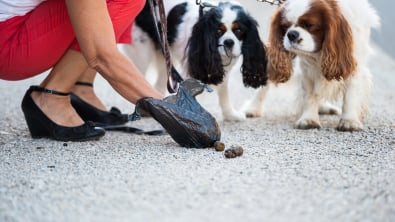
{"x":135,"y":115}
{"x":203,"y":5}
{"x":271,"y":2}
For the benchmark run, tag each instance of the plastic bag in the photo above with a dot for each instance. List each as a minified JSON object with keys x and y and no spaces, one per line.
{"x":186,"y":121}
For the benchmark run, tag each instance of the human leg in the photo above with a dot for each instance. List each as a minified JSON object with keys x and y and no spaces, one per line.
{"x":61,"y":78}
{"x":86,"y":92}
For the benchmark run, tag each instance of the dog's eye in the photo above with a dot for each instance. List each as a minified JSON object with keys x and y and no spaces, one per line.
{"x":306,"y":25}
{"x":220,"y":32}
{"x":284,"y":26}
{"x":238,"y":33}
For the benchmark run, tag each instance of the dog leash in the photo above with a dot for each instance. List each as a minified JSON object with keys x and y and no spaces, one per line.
{"x":174,"y":78}
{"x":134,"y":130}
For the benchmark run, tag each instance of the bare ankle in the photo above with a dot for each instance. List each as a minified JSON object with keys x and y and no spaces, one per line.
{"x":88,"y":95}
{"x":57,"y":108}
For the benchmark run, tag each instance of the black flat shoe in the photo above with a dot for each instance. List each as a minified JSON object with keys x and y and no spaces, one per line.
{"x":90,"y":113}
{"x":40,"y":126}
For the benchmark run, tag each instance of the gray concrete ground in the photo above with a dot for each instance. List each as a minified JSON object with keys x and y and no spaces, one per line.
{"x":284,"y":175}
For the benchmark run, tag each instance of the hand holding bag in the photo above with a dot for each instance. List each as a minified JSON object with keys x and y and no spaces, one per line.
{"x":186,"y":121}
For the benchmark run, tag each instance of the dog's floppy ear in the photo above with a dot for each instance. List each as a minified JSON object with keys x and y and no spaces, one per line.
{"x":254,"y":56}
{"x":337,"y":59}
{"x":280,"y":60}
{"x":204,"y":60}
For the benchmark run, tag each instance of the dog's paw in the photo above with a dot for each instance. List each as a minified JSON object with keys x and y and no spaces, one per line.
{"x":329,"y":109}
{"x":349,"y":125}
{"x":234,"y":116}
{"x":308,"y":124}
{"x":253,"y":112}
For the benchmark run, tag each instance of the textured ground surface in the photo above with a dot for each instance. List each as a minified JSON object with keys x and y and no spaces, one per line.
{"x":284,"y":175}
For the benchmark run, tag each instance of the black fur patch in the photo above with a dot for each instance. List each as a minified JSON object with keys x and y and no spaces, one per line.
{"x":174,"y":19}
{"x":145,"y":21}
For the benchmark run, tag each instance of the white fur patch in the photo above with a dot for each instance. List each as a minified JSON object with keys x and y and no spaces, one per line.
{"x":228,"y":17}
{"x":296,"y":8}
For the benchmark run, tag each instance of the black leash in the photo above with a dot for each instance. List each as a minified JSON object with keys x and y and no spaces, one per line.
{"x":174,"y":78}
{"x":129,"y":129}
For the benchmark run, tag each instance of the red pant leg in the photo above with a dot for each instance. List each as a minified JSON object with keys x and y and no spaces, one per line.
{"x":33,"y":43}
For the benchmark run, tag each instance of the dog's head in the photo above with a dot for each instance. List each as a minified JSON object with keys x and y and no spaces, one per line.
{"x":221,"y":35}
{"x":315,"y":28}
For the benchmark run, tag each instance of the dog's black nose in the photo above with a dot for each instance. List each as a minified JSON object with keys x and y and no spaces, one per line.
{"x":229,"y":43}
{"x":293,"y":35}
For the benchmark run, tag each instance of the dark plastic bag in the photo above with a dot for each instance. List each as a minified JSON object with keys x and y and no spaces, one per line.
{"x":186,"y":121}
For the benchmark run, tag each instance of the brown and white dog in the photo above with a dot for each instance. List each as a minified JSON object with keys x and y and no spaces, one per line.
{"x":330,"y":41}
